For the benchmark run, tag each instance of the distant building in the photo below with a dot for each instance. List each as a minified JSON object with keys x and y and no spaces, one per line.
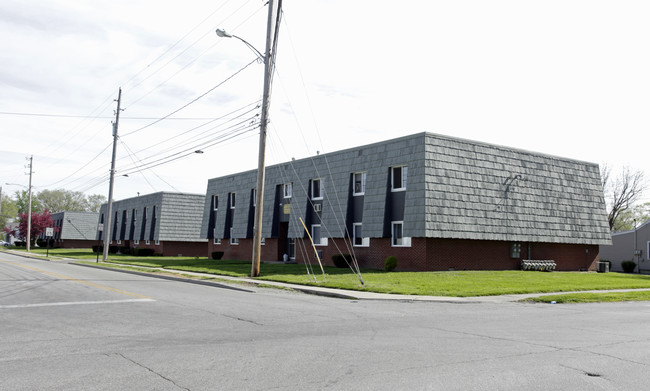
{"x":632,"y":245}
{"x":75,"y":229}
{"x":168,"y":223}
{"x":434,"y":202}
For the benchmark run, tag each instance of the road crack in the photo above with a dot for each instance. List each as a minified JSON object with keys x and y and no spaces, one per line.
{"x":151,"y":370}
{"x":242,"y":319}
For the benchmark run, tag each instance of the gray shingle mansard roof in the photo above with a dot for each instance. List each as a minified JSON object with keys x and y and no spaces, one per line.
{"x":456,"y":188}
{"x":77,"y":225}
{"x":178,"y":215}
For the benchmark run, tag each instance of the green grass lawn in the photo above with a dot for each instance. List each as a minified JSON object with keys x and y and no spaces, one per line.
{"x":456,"y":283}
{"x":592,"y":297}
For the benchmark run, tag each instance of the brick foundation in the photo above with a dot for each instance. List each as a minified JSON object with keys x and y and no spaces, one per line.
{"x":428,"y":254}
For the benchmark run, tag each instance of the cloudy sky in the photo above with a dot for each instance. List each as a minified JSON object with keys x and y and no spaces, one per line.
{"x":567,"y":78}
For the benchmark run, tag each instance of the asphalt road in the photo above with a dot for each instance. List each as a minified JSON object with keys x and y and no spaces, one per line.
{"x":67,"y":327}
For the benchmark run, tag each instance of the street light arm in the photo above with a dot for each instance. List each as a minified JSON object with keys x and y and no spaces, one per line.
{"x":223,"y":34}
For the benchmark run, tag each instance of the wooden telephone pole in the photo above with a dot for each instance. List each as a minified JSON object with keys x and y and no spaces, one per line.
{"x":109,"y":209}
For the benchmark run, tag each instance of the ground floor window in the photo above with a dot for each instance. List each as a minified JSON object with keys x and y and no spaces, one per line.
{"x":292,"y":248}
{"x":515,"y":250}
{"x":397,"y":235}
{"x":357,"y":234}
{"x":233,"y":240}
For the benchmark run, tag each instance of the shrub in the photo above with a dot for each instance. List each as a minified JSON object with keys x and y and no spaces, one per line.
{"x":143,"y":252}
{"x":628,"y":266}
{"x":390,"y":263}
{"x":113,"y":249}
{"x":342,"y":260}
{"x":216,"y":254}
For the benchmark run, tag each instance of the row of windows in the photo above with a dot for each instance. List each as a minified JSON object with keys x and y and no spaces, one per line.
{"x":397,"y":236}
{"x":398,"y":183}
{"x":136,"y":242}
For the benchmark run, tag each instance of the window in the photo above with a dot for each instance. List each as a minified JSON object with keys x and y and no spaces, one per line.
{"x":147,"y":242}
{"x":398,"y":178}
{"x":292,"y":248}
{"x":233,"y":240}
{"x":286,"y":190}
{"x":215,"y":202}
{"x":316,"y":189}
{"x":263,"y":241}
{"x":357,"y":233}
{"x":254,"y":195}
{"x":136,"y":242}
{"x":215,"y":238}
{"x":119,"y":241}
{"x":231,"y":200}
{"x":397,"y":235}
{"x":515,"y":250}
{"x":316,"y":235}
{"x":359,"y":179}
{"x":156,"y":242}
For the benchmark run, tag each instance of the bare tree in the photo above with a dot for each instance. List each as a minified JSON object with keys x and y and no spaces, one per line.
{"x":621,"y":191}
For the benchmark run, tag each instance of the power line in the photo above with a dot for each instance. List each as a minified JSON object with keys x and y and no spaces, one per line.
{"x":98,"y":117}
{"x":192,"y":101}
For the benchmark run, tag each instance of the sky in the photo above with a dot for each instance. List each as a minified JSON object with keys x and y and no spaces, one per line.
{"x":567,"y":78}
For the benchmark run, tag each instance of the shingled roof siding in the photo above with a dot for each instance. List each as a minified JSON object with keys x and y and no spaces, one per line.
{"x":481,"y":191}
{"x":455,"y":189}
{"x":77,"y":225}
{"x":180,"y":217}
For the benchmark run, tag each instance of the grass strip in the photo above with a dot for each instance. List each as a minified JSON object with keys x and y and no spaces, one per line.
{"x":447,"y":283}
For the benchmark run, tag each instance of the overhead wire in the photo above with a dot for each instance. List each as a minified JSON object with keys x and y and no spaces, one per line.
{"x":190,"y":102}
{"x":102,"y":106}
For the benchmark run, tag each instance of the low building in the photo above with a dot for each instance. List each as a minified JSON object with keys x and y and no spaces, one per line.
{"x":632,"y":245}
{"x":167,"y":223}
{"x":75,"y":229}
{"x":434,"y":202}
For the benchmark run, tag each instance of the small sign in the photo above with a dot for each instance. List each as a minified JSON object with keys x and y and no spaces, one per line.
{"x":101,"y":227}
{"x":286,"y":209}
{"x":49,"y":231}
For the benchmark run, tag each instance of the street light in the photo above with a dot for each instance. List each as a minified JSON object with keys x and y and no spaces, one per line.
{"x":223,"y":34}
{"x":269,"y":62}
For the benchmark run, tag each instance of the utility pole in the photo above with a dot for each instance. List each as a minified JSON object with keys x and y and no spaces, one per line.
{"x":109,"y":209}
{"x":29,"y":204}
{"x":272,"y":30}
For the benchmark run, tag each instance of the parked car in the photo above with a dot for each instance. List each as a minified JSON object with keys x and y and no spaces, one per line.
{"x":4,"y":244}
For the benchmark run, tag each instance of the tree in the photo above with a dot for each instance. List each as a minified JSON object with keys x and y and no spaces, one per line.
{"x":94,"y":202}
{"x":621,"y":192}
{"x":8,"y":211}
{"x":626,"y":219}
{"x":62,"y":200}
{"x":22,"y":202}
{"x":40,"y":221}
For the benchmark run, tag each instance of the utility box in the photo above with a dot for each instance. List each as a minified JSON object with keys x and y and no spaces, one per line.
{"x":602,"y":267}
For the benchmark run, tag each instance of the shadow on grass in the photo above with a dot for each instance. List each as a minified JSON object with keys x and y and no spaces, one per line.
{"x":229,"y":267}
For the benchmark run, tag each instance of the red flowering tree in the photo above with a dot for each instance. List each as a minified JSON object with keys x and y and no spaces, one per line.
{"x":40,"y":221}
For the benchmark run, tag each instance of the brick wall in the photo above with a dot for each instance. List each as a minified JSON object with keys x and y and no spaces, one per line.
{"x":186,"y":249}
{"x":427,"y":254}
{"x":74,"y":243}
